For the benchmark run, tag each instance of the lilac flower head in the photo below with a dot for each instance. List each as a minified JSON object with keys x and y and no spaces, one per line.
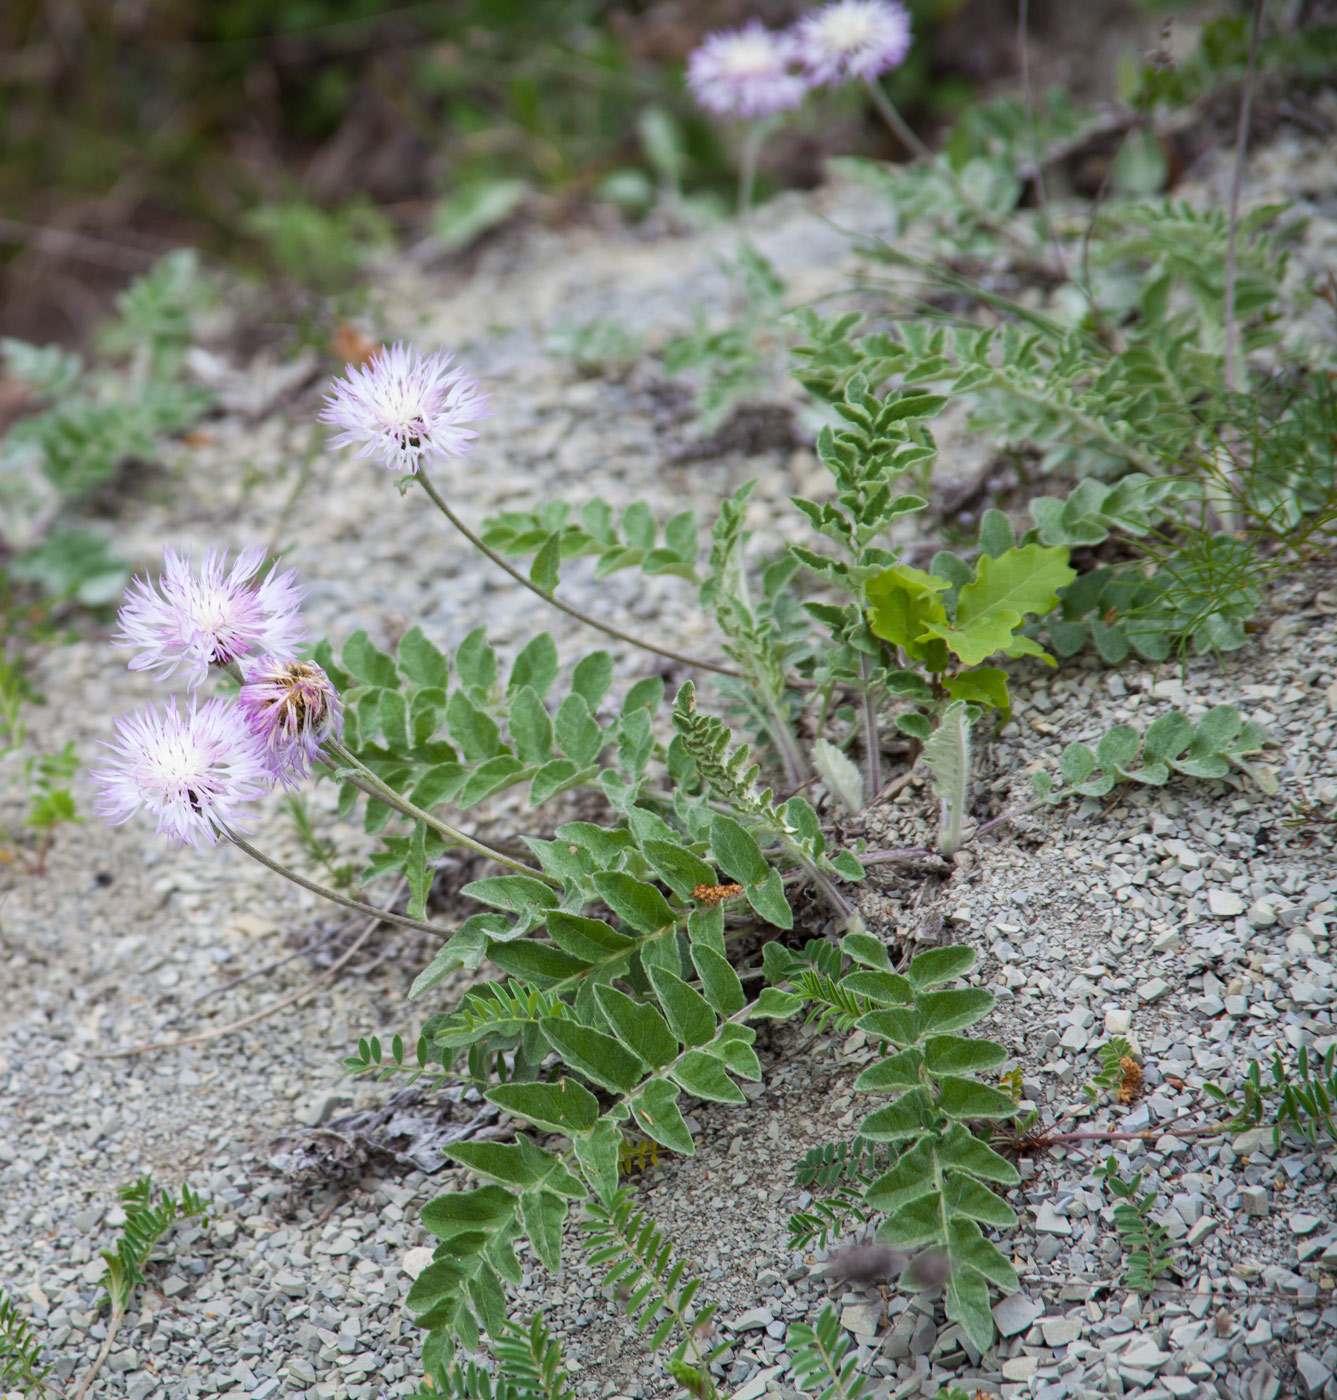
{"x":747,"y":72}
{"x":210,"y":618}
{"x":853,"y":39}
{"x":402,"y":406}
{"x":193,"y":769}
{"x":292,"y":708}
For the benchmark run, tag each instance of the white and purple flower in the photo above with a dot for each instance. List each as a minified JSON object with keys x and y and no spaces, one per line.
{"x":852,"y":39}
{"x":291,"y":707}
{"x":402,"y":407}
{"x":195,"y":770}
{"x":194,"y":620}
{"x":750,"y":72}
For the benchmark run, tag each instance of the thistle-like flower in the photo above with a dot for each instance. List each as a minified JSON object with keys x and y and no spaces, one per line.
{"x":403,"y":406}
{"x":853,"y":39}
{"x":210,"y":618}
{"x":746,"y":73}
{"x":193,"y":769}
{"x":292,"y":708}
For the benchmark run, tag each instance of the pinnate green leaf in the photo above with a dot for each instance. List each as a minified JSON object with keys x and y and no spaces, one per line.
{"x":768,"y":899}
{"x":639,"y":905}
{"x":938,"y":965}
{"x":737,"y":852}
{"x":722,"y":988}
{"x":704,"y":1075}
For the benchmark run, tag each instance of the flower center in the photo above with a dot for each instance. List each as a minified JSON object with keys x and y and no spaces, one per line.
{"x":750,"y":56}
{"x":847,"y":31}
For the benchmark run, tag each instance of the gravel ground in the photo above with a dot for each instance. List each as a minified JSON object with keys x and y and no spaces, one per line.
{"x":1192,"y":920}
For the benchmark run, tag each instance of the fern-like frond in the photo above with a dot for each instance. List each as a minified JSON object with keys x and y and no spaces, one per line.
{"x":146,"y":1222}
{"x":729,"y":774}
{"x":21,"y":1365}
{"x":828,"y":1217}
{"x":496,"y":1008}
{"x":837,"y":1163}
{"x":635,"y":1154}
{"x":820,"y":1365}
{"x":831,"y":1002}
{"x":640,"y":1264}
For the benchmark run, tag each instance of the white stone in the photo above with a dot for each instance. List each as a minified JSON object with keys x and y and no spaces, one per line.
{"x":1015,"y":1314}
{"x":1060,"y":1331}
{"x":1225,"y":904}
{"x":1200,"y":1230}
{"x":1118,"y":1021}
{"x":1020,"y":1368}
{"x":416,"y":1260}
{"x":1145,"y":1355}
{"x":1049,"y":1222}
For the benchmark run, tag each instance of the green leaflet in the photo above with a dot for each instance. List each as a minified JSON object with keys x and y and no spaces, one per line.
{"x":563,"y":1107}
{"x":655,"y":1110}
{"x":638,"y":1025}
{"x":690,"y":1016}
{"x":600,"y":1058}
{"x":993,"y":605}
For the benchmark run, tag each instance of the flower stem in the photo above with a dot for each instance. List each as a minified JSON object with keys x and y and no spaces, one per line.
{"x":901,"y":129}
{"x":747,"y":166}
{"x":696,"y":662}
{"x":385,"y":915}
{"x":361,"y":776}
{"x":872,"y":743}
{"x":896,"y":123}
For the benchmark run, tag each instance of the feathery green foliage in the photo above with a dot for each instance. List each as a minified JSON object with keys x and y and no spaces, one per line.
{"x":820,"y":1364}
{"x":147,"y":1220}
{"x":1146,"y":1240}
{"x":21,"y":1365}
{"x":1300,"y":1098}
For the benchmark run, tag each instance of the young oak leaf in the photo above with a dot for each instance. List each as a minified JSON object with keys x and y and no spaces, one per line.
{"x":993,"y":604}
{"x":903,"y":607}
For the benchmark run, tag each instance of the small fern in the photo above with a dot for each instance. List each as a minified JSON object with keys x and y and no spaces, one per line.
{"x":829,"y":1002}
{"x":529,"y":1367}
{"x":828,"y":1217}
{"x":640,"y":1266}
{"x":635,"y":1154}
{"x":845,"y":1170}
{"x":834,"y":1163}
{"x":820,"y":1360}
{"x":21,"y":1365}
{"x":146,"y":1222}
{"x":1147,"y":1242}
{"x":1119,"y":1070}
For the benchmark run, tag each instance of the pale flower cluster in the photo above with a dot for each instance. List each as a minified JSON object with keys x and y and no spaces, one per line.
{"x":756,"y":72}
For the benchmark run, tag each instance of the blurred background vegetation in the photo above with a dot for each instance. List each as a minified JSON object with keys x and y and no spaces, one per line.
{"x":301,"y":136}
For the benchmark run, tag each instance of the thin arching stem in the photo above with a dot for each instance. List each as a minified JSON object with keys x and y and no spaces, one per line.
{"x":901,"y":129}
{"x":361,"y":776}
{"x":439,"y":501}
{"x":896,"y":123}
{"x":1231,"y":510}
{"x":747,"y":166}
{"x":385,"y":915}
